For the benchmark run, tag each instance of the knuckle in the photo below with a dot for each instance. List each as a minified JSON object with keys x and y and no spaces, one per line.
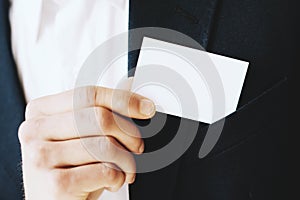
{"x":112,"y":175}
{"x":101,"y":95}
{"x":133,"y":99}
{"x":62,"y":180}
{"x":24,"y":133}
{"x":41,"y":155}
{"x":28,"y":130}
{"x":89,"y":95}
{"x":105,"y":119}
{"x":84,"y":95}
{"x":120,"y":101}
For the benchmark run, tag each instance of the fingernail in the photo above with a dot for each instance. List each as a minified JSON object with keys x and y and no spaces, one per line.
{"x":142,"y":148}
{"x":132,"y":180}
{"x":147,"y":107}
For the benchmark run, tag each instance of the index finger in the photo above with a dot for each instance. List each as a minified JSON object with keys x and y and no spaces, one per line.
{"x":123,"y":102}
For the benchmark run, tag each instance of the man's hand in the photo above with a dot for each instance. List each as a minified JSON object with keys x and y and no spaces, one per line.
{"x":56,"y":162}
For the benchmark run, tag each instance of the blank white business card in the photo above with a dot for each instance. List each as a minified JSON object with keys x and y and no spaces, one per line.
{"x":187,"y":82}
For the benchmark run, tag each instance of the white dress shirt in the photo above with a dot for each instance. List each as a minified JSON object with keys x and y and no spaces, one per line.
{"x":52,"y":38}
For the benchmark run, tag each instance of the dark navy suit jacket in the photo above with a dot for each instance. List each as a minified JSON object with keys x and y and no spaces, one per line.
{"x":249,"y":160}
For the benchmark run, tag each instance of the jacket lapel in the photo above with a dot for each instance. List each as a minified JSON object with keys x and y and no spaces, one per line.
{"x":11,"y":113}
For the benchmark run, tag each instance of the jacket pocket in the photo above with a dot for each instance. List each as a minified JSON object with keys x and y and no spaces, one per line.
{"x":265,"y":110}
